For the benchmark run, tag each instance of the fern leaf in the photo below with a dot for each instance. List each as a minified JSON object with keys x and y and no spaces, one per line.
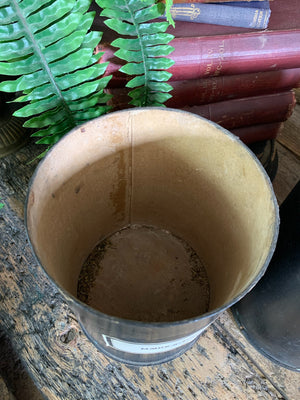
{"x":169,"y":17}
{"x":144,"y":51}
{"x":48,"y":46}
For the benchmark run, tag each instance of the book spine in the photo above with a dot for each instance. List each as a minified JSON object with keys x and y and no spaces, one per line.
{"x":256,"y":133}
{"x":205,"y":56}
{"x":236,"y":113}
{"x":235,"y":54}
{"x":247,"y":15}
{"x":185,"y":29}
{"x":214,"y":89}
{"x":248,"y":111}
{"x":213,"y":1}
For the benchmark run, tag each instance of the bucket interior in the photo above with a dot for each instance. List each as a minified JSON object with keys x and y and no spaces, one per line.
{"x":158,"y":168}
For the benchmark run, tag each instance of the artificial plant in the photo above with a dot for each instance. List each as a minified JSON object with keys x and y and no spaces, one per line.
{"x":143,"y":50}
{"x":49,"y":47}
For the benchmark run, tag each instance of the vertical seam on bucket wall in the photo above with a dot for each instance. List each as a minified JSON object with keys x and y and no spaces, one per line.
{"x":130,"y":184}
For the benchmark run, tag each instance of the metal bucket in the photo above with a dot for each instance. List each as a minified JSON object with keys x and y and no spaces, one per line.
{"x":170,"y":170}
{"x":269,"y":314}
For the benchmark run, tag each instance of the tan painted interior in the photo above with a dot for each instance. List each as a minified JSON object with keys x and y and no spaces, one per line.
{"x":157,"y":167}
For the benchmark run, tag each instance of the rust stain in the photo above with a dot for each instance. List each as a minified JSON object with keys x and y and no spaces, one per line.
{"x":116,"y":134}
{"x":118,"y":195}
{"x":78,"y":188}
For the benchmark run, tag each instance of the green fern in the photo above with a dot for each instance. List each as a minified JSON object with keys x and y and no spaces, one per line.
{"x":145,"y":52}
{"x":48,"y":45}
{"x":169,"y":17}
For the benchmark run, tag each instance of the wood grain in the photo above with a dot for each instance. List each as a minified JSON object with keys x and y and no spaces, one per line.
{"x":63,"y":364}
{"x":289,"y":137}
{"x":286,"y":381}
{"x":5,"y":392}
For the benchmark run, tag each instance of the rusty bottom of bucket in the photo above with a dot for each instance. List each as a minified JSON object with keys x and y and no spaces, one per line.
{"x":145,"y":274}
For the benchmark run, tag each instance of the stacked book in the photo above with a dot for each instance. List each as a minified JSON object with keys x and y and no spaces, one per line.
{"x":243,"y":13}
{"x":239,"y":77}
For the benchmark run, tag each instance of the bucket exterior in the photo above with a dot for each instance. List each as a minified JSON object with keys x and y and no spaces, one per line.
{"x":160,"y":167}
{"x":140,"y":343}
{"x":269,"y":315}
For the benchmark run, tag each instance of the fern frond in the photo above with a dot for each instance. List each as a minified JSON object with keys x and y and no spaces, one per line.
{"x":168,"y":4}
{"x":48,"y":45}
{"x":145,"y":53}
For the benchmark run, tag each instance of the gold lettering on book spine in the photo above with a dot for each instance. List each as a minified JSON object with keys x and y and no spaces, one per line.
{"x":191,"y":12}
{"x":259,"y":16}
{"x":254,"y":21}
{"x":215,"y":65}
{"x":221,"y":59}
{"x":266,"y":16}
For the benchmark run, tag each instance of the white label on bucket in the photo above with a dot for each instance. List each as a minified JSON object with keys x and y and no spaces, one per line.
{"x":148,"y":348}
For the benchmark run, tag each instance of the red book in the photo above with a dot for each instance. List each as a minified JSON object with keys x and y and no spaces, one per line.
{"x":248,"y":111}
{"x":257,"y":133}
{"x":248,"y":134}
{"x":237,"y":113}
{"x":217,"y":50}
{"x":250,"y":52}
{"x":214,"y":89}
{"x":201,"y":57}
{"x":220,"y":88}
{"x":211,"y":1}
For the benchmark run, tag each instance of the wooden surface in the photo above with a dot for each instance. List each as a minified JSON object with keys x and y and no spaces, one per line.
{"x":38,"y":328}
